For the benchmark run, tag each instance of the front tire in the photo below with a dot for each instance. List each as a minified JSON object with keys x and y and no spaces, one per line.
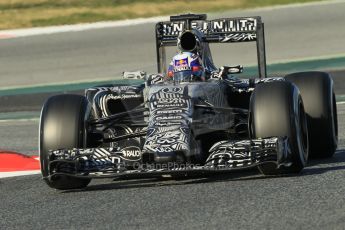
{"x":276,"y":110}
{"x":62,"y":127}
{"x":320,"y":105}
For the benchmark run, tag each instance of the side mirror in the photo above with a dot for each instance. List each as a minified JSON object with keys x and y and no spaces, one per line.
{"x":153,"y":79}
{"x":134,"y":75}
{"x":225,"y":70}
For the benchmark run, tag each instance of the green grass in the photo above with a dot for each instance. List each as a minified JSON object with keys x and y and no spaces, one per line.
{"x":32,"y":13}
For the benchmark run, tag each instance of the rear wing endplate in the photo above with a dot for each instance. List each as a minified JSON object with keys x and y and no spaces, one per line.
{"x":224,"y":30}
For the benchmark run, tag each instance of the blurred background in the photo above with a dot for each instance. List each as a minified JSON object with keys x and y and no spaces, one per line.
{"x":33,"y":13}
{"x":49,"y":47}
{"x":296,"y":30}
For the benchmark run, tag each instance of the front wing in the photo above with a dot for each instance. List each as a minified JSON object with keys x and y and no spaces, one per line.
{"x":224,"y":156}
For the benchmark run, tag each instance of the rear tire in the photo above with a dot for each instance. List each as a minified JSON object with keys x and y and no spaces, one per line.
{"x":276,"y":110}
{"x":62,"y":127}
{"x":320,"y":105}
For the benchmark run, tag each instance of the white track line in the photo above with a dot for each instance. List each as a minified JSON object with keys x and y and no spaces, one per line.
{"x":8,"y":34}
{"x":293,"y":5}
{"x":19,"y":173}
{"x":19,"y":120}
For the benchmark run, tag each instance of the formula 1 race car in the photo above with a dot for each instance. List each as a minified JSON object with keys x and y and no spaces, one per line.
{"x":168,"y":126}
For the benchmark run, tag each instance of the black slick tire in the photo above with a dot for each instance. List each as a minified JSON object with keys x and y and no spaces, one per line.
{"x":62,"y":127}
{"x":320,"y":106}
{"x":276,"y":110}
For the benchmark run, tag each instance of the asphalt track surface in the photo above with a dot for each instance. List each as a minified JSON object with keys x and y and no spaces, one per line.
{"x":246,"y":200}
{"x":243,"y":200}
{"x":291,"y":33}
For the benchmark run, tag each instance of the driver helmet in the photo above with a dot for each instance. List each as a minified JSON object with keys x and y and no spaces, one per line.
{"x":186,"y":67}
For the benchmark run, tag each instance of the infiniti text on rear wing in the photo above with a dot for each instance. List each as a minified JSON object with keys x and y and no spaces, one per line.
{"x":219,"y":30}
{"x":224,"y":30}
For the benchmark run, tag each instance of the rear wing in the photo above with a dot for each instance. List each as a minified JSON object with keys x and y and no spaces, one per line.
{"x":224,"y":30}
